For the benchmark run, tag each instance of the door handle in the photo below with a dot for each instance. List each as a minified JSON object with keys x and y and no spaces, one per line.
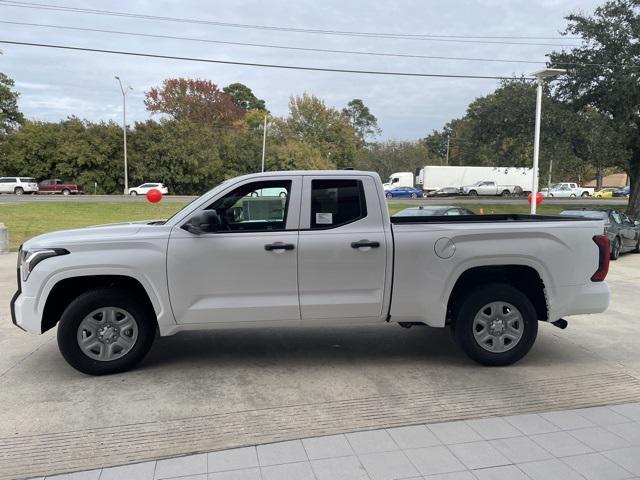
{"x":279,"y":246}
{"x":365,"y":243}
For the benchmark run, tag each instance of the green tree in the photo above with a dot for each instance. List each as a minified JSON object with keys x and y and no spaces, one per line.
{"x":362,"y":120}
{"x":182,"y":154}
{"x":10,"y":115}
{"x":312,"y":122}
{"x":73,"y":149}
{"x":497,"y":130}
{"x":243,"y":97}
{"x":603,"y":74}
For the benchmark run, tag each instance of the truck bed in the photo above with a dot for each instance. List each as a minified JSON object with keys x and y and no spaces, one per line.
{"x":494,"y":218}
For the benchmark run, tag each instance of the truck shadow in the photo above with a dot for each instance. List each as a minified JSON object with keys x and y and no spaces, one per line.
{"x":310,"y":346}
{"x":305,"y":345}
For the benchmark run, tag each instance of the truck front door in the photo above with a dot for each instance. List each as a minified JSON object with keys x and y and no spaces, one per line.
{"x":342,"y":257}
{"x":247,"y":269}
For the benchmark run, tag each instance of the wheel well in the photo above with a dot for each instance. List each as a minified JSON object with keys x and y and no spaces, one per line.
{"x":68,"y":289}
{"x":526,"y":279}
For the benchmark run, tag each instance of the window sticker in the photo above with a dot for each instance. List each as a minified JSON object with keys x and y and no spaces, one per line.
{"x":324,"y":218}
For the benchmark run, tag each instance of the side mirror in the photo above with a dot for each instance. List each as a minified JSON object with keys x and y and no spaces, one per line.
{"x":206,"y":221}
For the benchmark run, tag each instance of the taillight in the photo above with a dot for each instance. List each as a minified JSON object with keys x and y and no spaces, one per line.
{"x":602,"y":241}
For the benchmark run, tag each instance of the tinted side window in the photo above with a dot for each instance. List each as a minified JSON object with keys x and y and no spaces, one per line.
{"x":336,"y":202}
{"x":243,"y":209}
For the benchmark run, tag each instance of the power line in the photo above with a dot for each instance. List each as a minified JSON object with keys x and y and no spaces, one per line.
{"x":307,"y":49}
{"x":424,"y":37}
{"x":263,"y":65}
{"x":265,"y":45}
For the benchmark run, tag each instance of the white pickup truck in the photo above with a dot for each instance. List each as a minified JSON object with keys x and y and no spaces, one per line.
{"x":490,"y":188}
{"x":327,"y":253}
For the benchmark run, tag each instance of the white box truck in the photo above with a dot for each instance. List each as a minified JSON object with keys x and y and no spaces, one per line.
{"x":435,"y":177}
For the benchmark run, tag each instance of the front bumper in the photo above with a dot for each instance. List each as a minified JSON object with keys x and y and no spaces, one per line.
{"x":23,"y":310}
{"x":23,"y":313}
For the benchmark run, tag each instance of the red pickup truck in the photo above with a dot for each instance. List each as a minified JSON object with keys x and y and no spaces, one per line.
{"x":55,"y":185}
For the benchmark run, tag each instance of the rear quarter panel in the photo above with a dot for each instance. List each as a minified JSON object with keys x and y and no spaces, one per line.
{"x":563,"y":253}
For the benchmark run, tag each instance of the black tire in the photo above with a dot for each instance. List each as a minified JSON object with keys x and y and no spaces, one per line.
{"x":133,"y":193}
{"x":389,"y":196}
{"x":585,"y":194}
{"x":66,"y":192}
{"x":473,"y":193}
{"x":551,"y":194}
{"x":573,"y":195}
{"x":505,"y":193}
{"x":92,"y":300}
{"x":637,"y":249}
{"x":414,"y":196}
{"x":615,"y":249}
{"x":462,"y":327}
{"x":18,"y":191}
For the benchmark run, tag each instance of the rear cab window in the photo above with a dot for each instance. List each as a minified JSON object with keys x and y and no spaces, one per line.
{"x":336,"y":202}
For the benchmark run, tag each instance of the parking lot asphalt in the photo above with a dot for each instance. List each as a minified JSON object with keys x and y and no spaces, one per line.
{"x":205,"y":391}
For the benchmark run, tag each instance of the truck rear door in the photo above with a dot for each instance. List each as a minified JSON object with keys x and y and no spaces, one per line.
{"x":343,"y":248}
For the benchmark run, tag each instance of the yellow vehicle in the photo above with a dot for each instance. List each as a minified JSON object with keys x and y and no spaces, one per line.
{"x":605,"y":193}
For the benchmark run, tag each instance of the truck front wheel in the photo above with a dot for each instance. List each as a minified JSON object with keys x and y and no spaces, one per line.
{"x":495,"y":325}
{"x":105,"y":331}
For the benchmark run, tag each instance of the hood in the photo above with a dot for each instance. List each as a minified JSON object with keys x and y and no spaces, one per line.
{"x":94,"y":234}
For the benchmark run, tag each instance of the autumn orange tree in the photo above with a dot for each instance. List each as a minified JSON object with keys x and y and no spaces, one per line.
{"x":195,"y":100}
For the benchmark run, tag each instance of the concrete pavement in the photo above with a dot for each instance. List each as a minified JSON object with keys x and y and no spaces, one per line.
{"x":206,"y":391}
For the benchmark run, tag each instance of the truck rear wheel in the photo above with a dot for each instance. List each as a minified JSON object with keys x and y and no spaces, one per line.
{"x":495,"y":325}
{"x":105,"y":331}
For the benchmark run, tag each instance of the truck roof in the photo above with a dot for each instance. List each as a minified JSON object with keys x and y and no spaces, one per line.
{"x":311,"y":172}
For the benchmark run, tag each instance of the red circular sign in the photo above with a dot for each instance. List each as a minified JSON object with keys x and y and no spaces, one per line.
{"x":154,"y":195}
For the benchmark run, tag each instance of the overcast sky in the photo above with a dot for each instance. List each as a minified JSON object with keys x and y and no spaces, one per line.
{"x":55,"y":84}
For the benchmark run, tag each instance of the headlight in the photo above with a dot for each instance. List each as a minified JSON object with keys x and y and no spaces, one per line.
{"x":30,"y":258}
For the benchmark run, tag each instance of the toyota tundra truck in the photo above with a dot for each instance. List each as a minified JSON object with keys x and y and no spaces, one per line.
{"x":325,"y":253}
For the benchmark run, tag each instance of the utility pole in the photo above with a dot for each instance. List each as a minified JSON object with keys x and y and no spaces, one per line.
{"x":264,"y":140}
{"x":540,"y":76}
{"x":448,"y":144}
{"x":124,"y":130}
{"x":550,"y":170}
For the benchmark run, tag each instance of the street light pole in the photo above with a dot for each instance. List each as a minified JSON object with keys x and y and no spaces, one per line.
{"x":540,"y":76}
{"x":124,"y":130}
{"x":448,"y":144}
{"x":264,"y":140}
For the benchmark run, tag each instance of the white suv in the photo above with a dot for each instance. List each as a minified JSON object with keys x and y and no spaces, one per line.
{"x":18,"y":185}
{"x":145,"y":187}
